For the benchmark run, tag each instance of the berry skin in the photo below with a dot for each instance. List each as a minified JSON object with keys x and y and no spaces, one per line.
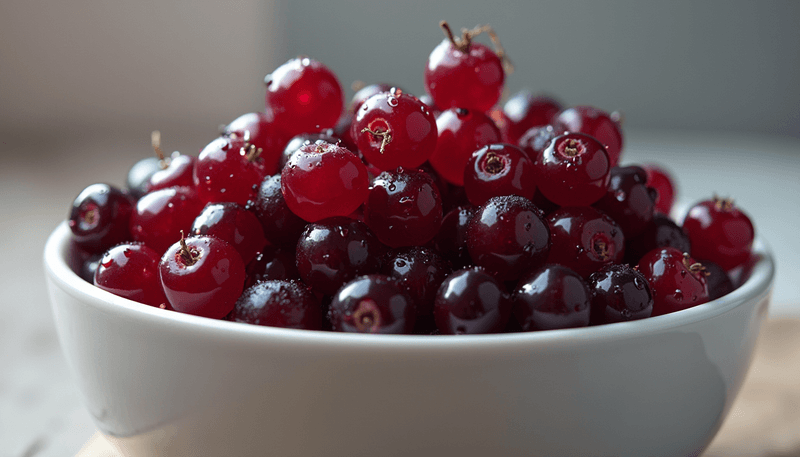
{"x":462,"y":73}
{"x":304,"y":96}
{"x":324,"y":180}
{"x":584,"y":239}
{"x":365,"y":93}
{"x":661,"y":232}
{"x":536,"y":139}
{"x":281,"y":226}
{"x":336,"y":250}
{"x":508,"y":237}
{"x":419,"y":271}
{"x":461,"y":132}
{"x":628,"y":200}
{"x":676,"y":280}
{"x":179,"y":173}
{"x":718,"y":281}
{"x":471,"y":301}
{"x":660,"y":180}
{"x":719,"y":232}
{"x":263,"y":133}
{"x":88,"y":266}
{"x":159,"y":216}
{"x":99,"y":218}
{"x":552,"y":297}
{"x":234,"y":224}
{"x":305,"y":139}
{"x":139,"y":175}
{"x":372,"y":304}
{"x":130,"y":270}
{"x":403,"y":208}
{"x":271,"y":263}
{"x":229,"y":170}
{"x":278,"y":303}
{"x":573,"y":170}
{"x":598,"y":124}
{"x":619,"y":294}
{"x":394,"y":129}
{"x":496,"y":170}
{"x":451,"y":241}
{"x":525,"y":110}
{"x":203,"y":276}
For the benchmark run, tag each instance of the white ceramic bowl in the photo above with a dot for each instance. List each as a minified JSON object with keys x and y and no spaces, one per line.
{"x":164,"y":383}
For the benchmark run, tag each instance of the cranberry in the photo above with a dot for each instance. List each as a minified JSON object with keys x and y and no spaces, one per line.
{"x":278,"y":303}
{"x":179,"y":173}
{"x":229,"y":170}
{"x":461,"y":132}
{"x":451,"y":241}
{"x":463,"y":73}
{"x":419,"y":271}
{"x":342,"y":132}
{"x":130,"y":270}
{"x":526,"y":110}
{"x":628,"y":200}
{"x":324,"y":180}
{"x":394,"y":129}
{"x":304,"y":96}
{"x":573,"y":170}
{"x":272,"y":263}
{"x":619,"y":293}
{"x":261,"y":131}
{"x":471,"y":301}
{"x":365,"y":93}
{"x":372,"y":304}
{"x":428,"y":101}
{"x":99,"y":217}
{"x":160,"y":216}
{"x":403,"y":208}
{"x":720,"y":232}
{"x":507,"y":236}
{"x":597,"y":123}
{"x":336,"y":250}
{"x":304,"y":139}
{"x":676,"y":280}
{"x":660,"y":232}
{"x":281,"y":226}
{"x":717,"y":279}
{"x":234,"y":224}
{"x":536,"y":139}
{"x":584,"y":239}
{"x":496,"y":170}
{"x":88,"y":266}
{"x":660,"y":180}
{"x":552,"y":297}
{"x":203,"y":276}
{"x":138,"y":177}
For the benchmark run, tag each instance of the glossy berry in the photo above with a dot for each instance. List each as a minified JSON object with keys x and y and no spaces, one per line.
{"x":281,"y":226}
{"x":471,"y":301}
{"x":403,"y":208}
{"x":138,"y":176}
{"x":336,"y":250}
{"x":628,"y":200}
{"x":130,"y":270}
{"x":534,"y":140}
{"x":507,"y":237}
{"x":496,"y":170}
{"x":463,"y":73}
{"x":661,"y":232}
{"x":324,"y":180}
{"x":720,"y":232}
{"x":234,"y":224}
{"x":202,"y":275}
{"x":461,"y":132}
{"x":263,"y":133}
{"x":717,"y":279}
{"x":451,"y":241}
{"x":229,"y":170}
{"x":88,"y":266}
{"x":419,"y":271}
{"x":573,"y":170}
{"x":597,"y":123}
{"x":272,"y":263}
{"x":552,"y":297}
{"x":372,"y":304}
{"x":526,"y":110}
{"x":365,"y":93}
{"x":619,"y":294}
{"x":99,"y":218}
{"x":304,"y":96}
{"x":660,"y":179}
{"x":584,"y":239}
{"x":179,"y":173}
{"x":278,"y":303}
{"x":394,"y":129}
{"x":676,"y":280}
{"x":159,"y":216}
{"x":305,"y":139}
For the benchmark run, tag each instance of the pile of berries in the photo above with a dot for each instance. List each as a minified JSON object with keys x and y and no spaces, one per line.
{"x":442,"y":214}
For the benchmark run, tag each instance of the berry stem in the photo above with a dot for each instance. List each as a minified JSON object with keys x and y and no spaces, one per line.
{"x":385,"y":135}
{"x":494,"y":164}
{"x":694,"y":268}
{"x":155,"y":141}
{"x":186,"y":254}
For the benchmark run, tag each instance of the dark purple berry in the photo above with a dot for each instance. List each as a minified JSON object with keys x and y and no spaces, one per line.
{"x":419,"y":271}
{"x":372,"y":304}
{"x":552,"y":297}
{"x":281,"y":226}
{"x":99,"y":218}
{"x":471,"y":301}
{"x":619,"y":293}
{"x":628,"y":200}
{"x":278,"y":303}
{"x":661,"y":232}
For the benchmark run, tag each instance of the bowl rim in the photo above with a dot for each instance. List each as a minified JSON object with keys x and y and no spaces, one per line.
{"x":58,"y":246}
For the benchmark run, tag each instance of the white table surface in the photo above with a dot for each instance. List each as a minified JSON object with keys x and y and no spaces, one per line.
{"x":40,"y":411}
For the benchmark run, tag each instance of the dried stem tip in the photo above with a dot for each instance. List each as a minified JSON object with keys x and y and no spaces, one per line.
{"x":188,"y":257}
{"x":384,"y":135}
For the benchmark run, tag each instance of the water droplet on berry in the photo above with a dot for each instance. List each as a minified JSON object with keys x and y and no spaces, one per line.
{"x":678,"y":295}
{"x":393,"y":102}
{"x":222,"y":191}
{"x":619,"y":195}
{"x":391,"y":187}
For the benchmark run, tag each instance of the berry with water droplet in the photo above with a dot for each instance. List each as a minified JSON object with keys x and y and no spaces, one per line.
{"x":584,"y":239}
{"x":130,"y":270}
{"x":619,"y":293}
{"x":229,"y":170}
{"x":597,"y":123}
{"x":719,"y":232}
{"x":278,"y":303}
{"x":628,"y":200}
{"x":264,"y":134}
{"x":272,"y":263}
{"x":461,"y":132}
{"x":496,"y":170}
{"x":160,"y":216}
{"x":419,"y":271}
{"x":99,"y":218}
{"x":676,"y":280}
{"x":526,"y":110}
{"x":234,"y":224}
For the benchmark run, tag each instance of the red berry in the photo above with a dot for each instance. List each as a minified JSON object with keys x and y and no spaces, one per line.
{"x":130,"y":270}
{"x":278,"y":303}
{"x":305,"y":139}
{"x":160,"y":216}
{"x":496,"y":170}
{"x":525,"y":110}
{"x":676,"y":280}
{"x":99,"y":217}
{"x":660,"y":180}
{"x":304,"y":96}
{"x":394,"y":129}
{"x":552,"y":297}
{"x":234,"y":224}
{"x":263,"y":133}
{"x":597,"y":123}
{"x":628,"y":200}
{"x":229,"y":170}
{"x":365,"y":93}
{"x":179,"y":173}
{"x":203,"y":276}
{"x":584,"y":239}
{"x":372,"y":304}
{"x":471,"y":301}
{"x":619,"y":293}
{"x":281,"y":226}
{"x":324,"y":180}
{"x":573,"y":170}
{"x":461,"y":132}
{"x":536,"y":139}
{"x":719,"y":232}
